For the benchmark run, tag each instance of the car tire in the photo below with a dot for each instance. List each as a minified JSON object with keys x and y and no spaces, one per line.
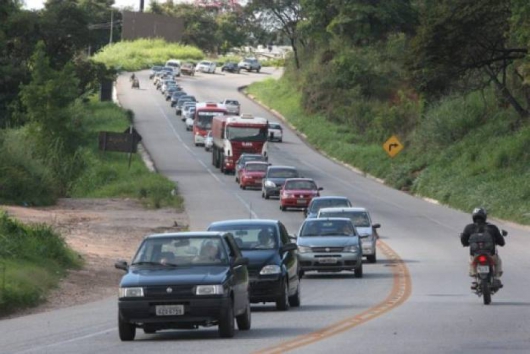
{"x":226,"y":322}
{"x":244,"y":320}
{"x":282,"y":302}
{"x":242,"y":187}
{"x":126,"y":330}
{"x":257,"y":70}
{"x":282,"y":208}
{"x":296,"y":299}
{"x":372,"y":258}
{"x":359,"y":271}
{"x":280,"y":140}
{"x":301,"y":274}
{"x":265,"y":195}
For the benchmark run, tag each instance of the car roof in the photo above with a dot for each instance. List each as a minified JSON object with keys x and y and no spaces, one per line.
{"x":255,"y":162}
{"x":245,"y":221}
{"x":327,"y":219}
{"x":299,"y":179}
{"x":339,"y":209}
{"x":187,"y":234}
{"x":328,"y":197}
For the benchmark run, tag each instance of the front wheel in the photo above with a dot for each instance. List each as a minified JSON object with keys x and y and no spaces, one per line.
{"x":359,"y":271}
{"x":282,"y":303}
{"x":226,"y":322}
{"x":126,"y":330}
{"x":372,"y":258}
{"x":486,"y":292}
{"x":244,"y":320}
{"x":296,"y":299}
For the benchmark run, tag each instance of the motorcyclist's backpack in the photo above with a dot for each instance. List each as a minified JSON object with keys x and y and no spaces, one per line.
{"x":482,"y":240}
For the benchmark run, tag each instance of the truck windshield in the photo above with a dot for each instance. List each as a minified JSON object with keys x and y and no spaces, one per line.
{"x":246,"y":133}
{"x":203,"y":120}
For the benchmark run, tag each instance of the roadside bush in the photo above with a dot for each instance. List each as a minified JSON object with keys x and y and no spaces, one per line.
{"x":144,"y":53}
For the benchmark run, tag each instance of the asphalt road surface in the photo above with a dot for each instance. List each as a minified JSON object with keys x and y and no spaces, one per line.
{"x":422,"y":305}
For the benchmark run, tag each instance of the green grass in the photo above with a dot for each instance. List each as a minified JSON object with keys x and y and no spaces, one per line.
{"x":107,"y":174}
{"x":32,"y":261}
{"x":144,"y":53}
{"x":462,"y":154}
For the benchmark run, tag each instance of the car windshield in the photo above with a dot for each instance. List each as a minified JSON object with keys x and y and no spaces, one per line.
{"x":318,"y":204}
{"x":303,"y":185}
{"x":246,"y":133}
{"x":203,"y":119}
{"x":156,"y":68}
{"x":282,"y":173}
{"x":358,"y":218}
{"x":181,"y":251}
{"x":206,"y":63}
{"x":251,"y":237}
{"x":275,"y":126}
{"x":245,"y":158}
{"x":317,"y":227}
{"x":260,"y":167}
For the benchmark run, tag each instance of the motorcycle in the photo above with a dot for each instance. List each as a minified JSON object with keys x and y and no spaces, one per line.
{"x":136,"y":84}
{"x":486,"y":284}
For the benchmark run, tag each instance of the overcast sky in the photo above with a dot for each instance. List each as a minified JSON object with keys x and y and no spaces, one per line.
{"x":39,"y":4}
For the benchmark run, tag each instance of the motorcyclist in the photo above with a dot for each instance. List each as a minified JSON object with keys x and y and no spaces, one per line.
{"x":479,"y":224}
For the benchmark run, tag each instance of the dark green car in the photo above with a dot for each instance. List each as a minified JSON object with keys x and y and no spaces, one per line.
{"x":183,"y":281}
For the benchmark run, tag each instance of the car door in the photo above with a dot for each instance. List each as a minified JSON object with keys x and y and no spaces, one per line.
{"x":241,"y":282}
{"x":290,"y":260}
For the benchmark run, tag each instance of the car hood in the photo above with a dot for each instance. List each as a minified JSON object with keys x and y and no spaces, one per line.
{"x":327,"y":241}
{"x":277,"y":181}
{"x":259,"y":258}
{"x":152,"y":276}
{"x":364,"y":231}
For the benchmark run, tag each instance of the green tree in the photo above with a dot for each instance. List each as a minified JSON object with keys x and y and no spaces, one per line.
{"x":466,"y":40}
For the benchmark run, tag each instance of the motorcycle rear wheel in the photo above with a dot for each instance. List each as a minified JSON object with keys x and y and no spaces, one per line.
{"x":486,"y":292}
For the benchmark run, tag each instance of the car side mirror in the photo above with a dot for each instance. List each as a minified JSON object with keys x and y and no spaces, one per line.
{"x":376,"y":226}
{"x":320,"y":188}
{"x":121,"y":265}
{"x":504,"y":233}
{"x":288,"y":247}
{"x":292,"y":237}
{"x":240,"y":261}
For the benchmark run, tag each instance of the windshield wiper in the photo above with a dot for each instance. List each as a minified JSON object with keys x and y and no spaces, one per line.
{"x":155,"y":264}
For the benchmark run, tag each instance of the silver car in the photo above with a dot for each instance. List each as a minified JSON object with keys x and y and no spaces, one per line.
{"x":329,"y":245}
{"x":208,"y":141}
{"x":232,"y":106}
{"x":360,"y":217}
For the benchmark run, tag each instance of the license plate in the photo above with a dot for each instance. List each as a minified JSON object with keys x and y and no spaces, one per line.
{"x":327,"y":260}
{"x":483,"y":269}
{"x":301,"y":201}
{"x":170,"y":310}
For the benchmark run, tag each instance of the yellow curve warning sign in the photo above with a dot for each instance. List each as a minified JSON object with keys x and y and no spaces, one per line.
{"x":392,"y":146}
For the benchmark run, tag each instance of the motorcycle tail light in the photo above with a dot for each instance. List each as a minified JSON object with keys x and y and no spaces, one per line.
{"x":482,"y":259}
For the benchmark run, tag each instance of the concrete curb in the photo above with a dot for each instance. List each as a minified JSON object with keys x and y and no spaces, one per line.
{"x":142,"y":150}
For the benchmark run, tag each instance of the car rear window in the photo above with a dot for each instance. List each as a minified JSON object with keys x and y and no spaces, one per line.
{"x":304,"y":185}
{"x":234,"y":102}
{"x":316,"y":227}
{"x":251,"y":237}
{"x":275,"y":126}
{"x":358,"y":218}
{"x":256,"y":167}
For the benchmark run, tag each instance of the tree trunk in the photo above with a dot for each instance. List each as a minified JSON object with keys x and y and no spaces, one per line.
{"x":523,"y":113}
{"x":295,"y":51}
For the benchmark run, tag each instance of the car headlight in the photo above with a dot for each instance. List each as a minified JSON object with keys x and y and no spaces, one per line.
{"x":304,"y":249}
{"x":287,"y":195}
{"x":270,"y":184}
{"x":131,"y":292}
{"x":353,"y":249}
{"x":270,"y":269}
{"x":209,"y":290}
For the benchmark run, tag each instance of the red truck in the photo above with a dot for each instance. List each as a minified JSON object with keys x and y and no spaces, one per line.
{"x":234,"y":135}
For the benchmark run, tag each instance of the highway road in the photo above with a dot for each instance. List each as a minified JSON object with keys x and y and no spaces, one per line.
{"x":415,"y":299}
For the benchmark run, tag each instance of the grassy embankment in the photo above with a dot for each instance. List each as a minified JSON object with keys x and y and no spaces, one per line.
{"x":462,"y":153}
{"x":144,"y":53}
{"x":32,"y":260}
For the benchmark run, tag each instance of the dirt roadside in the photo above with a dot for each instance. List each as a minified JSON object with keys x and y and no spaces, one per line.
{"x":101,"y":231}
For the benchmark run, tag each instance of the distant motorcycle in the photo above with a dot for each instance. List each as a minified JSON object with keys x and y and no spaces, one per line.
{"x":484,"y":267}
{"x":136,"y":83}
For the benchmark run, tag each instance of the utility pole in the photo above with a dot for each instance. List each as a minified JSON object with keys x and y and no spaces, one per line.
{"x":111,"y":24}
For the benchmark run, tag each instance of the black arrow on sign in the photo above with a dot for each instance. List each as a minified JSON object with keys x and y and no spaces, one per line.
{"x":393,"y":145}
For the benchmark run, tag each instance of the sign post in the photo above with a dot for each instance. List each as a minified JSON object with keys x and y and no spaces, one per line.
{"x":120,"y":142}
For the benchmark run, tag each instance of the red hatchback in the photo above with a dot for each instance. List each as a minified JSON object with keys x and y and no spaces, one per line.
{"x":298,"y":192}
{"x":251,"y":174}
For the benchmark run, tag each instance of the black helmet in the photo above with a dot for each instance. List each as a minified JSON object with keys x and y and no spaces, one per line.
{"x":479,"y":213}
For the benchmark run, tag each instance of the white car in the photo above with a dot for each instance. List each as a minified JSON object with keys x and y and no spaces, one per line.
{"x":206,"y":67}
{"x":208,"y":141}
{"x":275,"y":132}
{"x":175,"y":65}
{"x":232,"y":106}
{"x":189,"y":123}
{"x":360,"y":218}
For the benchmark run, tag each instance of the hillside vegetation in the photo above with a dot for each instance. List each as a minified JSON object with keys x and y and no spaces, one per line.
{"x":427,"y":73}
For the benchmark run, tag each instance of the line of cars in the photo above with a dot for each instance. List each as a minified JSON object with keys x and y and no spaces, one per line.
{"x":210,"y":278}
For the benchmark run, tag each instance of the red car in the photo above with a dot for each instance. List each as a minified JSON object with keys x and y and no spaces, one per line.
{"x":298,"y":192}
{"x":251,"y":174}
